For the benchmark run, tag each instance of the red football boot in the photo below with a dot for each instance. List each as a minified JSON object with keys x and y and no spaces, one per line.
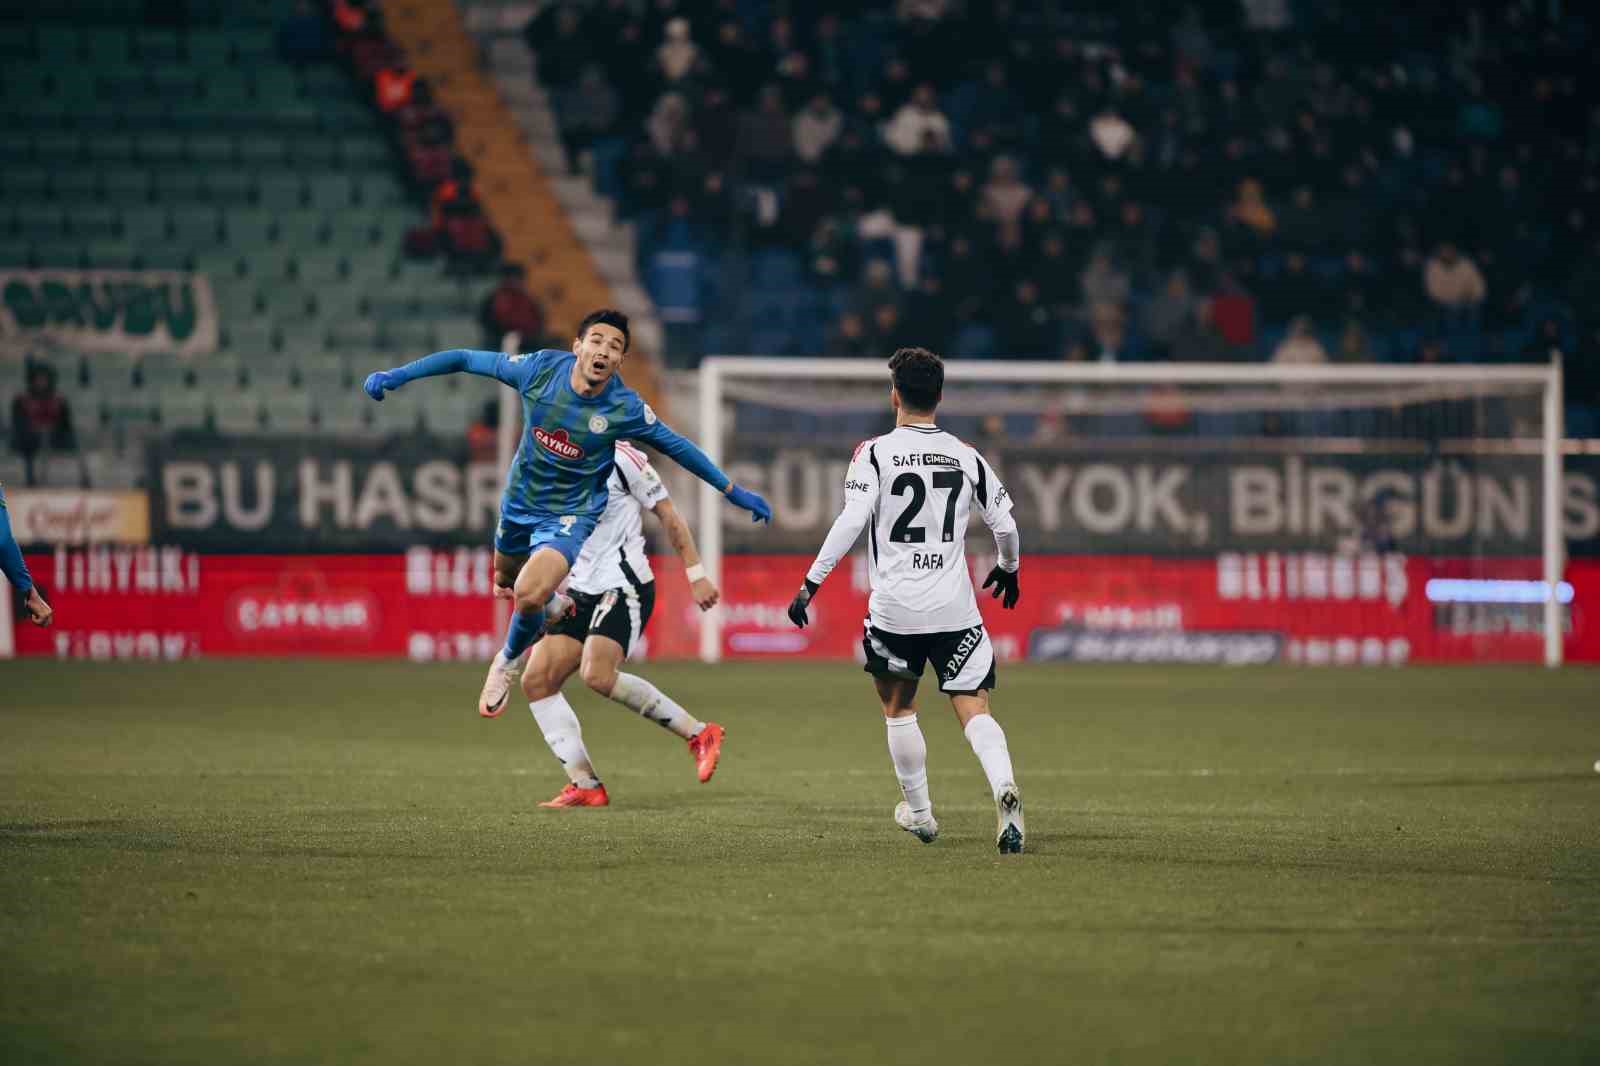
{"x":706,"y":747}
{"x":573,"y":796}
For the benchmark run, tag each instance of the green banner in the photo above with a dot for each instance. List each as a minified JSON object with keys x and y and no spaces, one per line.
{"x":132,"y":311}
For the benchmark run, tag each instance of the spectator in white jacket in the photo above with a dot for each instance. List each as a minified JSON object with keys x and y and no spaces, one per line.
{"x":816,"y":127}
{"x":918,"y":126}
{"x":1452,"y":280}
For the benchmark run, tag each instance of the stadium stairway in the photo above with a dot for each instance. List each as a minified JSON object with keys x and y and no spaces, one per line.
{"x":518,"y":194}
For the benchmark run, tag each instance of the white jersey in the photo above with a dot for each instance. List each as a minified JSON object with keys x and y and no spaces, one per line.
{"x":913,"y":490}
{"x":613,"y":556}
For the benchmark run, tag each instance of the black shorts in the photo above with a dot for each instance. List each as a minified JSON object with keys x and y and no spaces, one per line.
{"x":620,"y":614}
{"x":964,"y":659}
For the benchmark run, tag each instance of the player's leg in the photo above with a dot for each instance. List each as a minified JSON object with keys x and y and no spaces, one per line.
{"x":895,"y":663}
{"x":554,"y":659}
{"x":614,"y":629}
{"x":503,"y":670}
{"x":967,"y":674}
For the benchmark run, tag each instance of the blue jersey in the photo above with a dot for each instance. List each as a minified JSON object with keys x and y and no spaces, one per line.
{"x":566,"y":453}
{"x":11,"y":564}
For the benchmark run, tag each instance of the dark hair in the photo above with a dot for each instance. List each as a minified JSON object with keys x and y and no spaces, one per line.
{"x":918,"y":377}
{"x":606,"y":316}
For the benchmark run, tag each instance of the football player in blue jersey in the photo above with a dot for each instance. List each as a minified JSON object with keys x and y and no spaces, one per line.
{"x":16,"y":570}
{"x":574,"y":409}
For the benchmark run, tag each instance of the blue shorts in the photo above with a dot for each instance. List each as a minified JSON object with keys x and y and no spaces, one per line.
{"x":524,"y":536}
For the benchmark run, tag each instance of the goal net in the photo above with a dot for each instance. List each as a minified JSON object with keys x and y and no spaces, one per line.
{"x":1178,"y":513}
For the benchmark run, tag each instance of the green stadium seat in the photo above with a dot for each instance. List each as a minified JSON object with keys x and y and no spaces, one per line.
{"x":126,"y":187}
{"x":164,"y":255}
{"x":161,"y":371}
{"x":449,"y":411}
{"x":37,"y":223}
{"x":13,"y":253}
{"x":58,"y":44}
{"x":162,"y":149}
{"x":108,"y":468}
{"x":350,"y":334}
{"x":59,"y":148}
{"x":102,"y":46}
{"x":320,"y":268}
{"x":323,"y":373}
{"x":313,"y":152}
{"x":229,"y":187}
{"x":289,"y":412}
{"x":113,"y":254}
{"x":237,"y":414}
{"x":183,"y":409}
{"x":301,"y":338}
{"x":212,"y":149}
{"x":283,"y":192}
{"x":145,"y":225}
{"x":156,"y":46}
{"x":250,"y":227}
{"x":195,"y":225}
{"x":347,"y":412}
{"x":26,"y":182}
{"x":302,"y":229}
{"x":208,"y":48}
{"x":77,"y":184}
{"x":67,"y":254}
{"x":249,"y":340}
{"x":217,"y":374}
{"x":264,"y":150}
{"x":270,"y":373}
{"x":94,"y":221}
{"x":332,"y":192}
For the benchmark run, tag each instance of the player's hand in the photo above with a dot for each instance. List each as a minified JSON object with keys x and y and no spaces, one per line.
{"x":380,"y":381}
{"x":798,"y":605}
{"x":39,"y":612}
{"x":760,"y":510}
{"x":705,"y":593}
{"x":1005,"y":583}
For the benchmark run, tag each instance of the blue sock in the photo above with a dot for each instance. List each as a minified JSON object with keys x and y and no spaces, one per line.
{"x":525,"y":629}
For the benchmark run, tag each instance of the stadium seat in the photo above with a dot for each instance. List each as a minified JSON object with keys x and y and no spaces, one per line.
{"x":161,"y":371}
{"x":183,"y":409}
{"x":107,"y":468}
{"x":238,"y":414}
{"x":214,"y":375}
{"x":347,"y":412}
{"x":289,"y":411}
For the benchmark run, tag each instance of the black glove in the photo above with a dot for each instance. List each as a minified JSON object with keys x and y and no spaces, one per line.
{"x":1004,"y":581}
{"x":802,"y":600}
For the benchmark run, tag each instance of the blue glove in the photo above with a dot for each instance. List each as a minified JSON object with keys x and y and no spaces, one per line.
{"x":380,"y":380}
{"x":760,"y":510}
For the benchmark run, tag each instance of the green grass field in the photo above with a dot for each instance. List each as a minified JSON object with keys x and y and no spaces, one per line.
{"x":307,"y":862}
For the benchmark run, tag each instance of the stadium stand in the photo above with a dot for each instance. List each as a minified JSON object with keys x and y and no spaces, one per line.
{"x":176,"y":136}
{"x":1356,"y":181}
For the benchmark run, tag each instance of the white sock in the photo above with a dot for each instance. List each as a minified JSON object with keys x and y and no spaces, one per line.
{"x":988,"y":742}
{"x":637,"y":694}
{"x":909,"y":751}
{"x":565,"y":737}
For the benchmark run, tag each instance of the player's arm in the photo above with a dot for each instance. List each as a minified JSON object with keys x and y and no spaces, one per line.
{"x":512,"y":370}
{"x":643,"y":425}
{"x":701,"y":587}
{"x":16,"y":570}
{"x":860,"y":494}
{"x":648,"y":490}
{"x":994,"y":505}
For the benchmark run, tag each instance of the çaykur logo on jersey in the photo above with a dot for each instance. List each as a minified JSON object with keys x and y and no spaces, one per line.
{"x":557,"y":442}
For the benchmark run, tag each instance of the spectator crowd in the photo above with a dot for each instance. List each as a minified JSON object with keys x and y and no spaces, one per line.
{"x":1308,"y":182}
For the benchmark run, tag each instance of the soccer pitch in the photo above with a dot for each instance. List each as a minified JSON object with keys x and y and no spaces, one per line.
{"x":340,"y":862}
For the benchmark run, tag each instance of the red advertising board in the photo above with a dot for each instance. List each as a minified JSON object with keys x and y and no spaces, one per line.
{"x":163,"y":603}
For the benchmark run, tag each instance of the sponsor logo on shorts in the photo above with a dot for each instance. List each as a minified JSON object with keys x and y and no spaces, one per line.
{"x":969,"y":644}
{"x":557,"y":442}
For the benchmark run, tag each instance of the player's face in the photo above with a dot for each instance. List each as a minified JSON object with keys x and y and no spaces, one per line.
{"x":599,"y":352}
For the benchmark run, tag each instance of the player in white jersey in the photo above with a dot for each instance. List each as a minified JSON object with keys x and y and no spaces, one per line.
{"x":913,"y":490}
{"x":613,"y":592}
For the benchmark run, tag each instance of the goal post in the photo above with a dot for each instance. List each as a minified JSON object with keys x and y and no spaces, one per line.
{"x":1453,"y":471}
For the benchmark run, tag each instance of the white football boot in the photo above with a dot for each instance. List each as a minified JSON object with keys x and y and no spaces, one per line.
{"x":1008,"y":814}
{"x":503,"y":677}
{"x":926,"y":830}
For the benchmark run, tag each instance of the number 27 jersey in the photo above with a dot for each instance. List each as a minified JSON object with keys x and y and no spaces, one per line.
{"x":921,"y":486}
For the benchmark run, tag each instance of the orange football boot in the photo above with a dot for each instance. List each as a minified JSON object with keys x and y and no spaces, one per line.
{"x":573,"y":796}
{"x":706,"y":747}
